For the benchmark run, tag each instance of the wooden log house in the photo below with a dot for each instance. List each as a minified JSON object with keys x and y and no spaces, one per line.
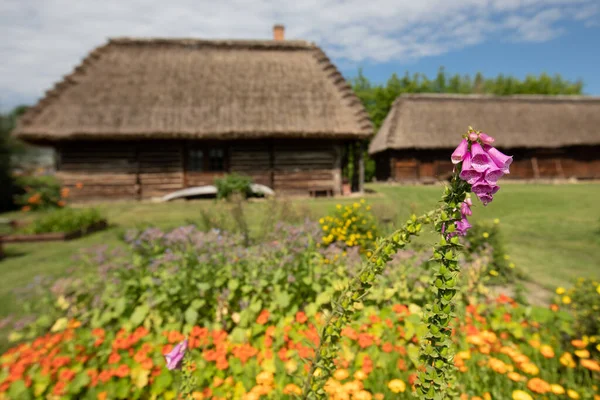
{"x":140,"y":118}
{"x":549,"y":136}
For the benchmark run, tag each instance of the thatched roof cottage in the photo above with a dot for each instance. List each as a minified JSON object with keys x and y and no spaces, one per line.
{"x":144,"y":117}
{"x":549,"y":136}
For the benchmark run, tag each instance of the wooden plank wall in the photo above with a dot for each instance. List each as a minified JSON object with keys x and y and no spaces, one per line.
{"x":106,"y":170}
{"x":302,"y":166}
{"x":582,"y":162}
{"x":160,"y":168}
{"x":252,"y":158}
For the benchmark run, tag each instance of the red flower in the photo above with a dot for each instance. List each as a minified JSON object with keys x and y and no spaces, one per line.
{"x":59,"y":388}
{"x":122,"y":371}
{"x":66,"y":375}
{"x":301,"y":317}
{"x":114,"y":358}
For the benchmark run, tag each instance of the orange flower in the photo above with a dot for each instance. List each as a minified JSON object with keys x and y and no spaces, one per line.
{"x":387,"y":347}
{"x":516,"y":377}
{"x":547,"y":351}
{"x":122,"y":371}
{"x":580,"y":344}
{"x":79,"y":185}
{"x":175,"y":337}
{"x":114,"y":358}
{"x":263,"y":317}
{"x":102,"y":395}
{"x":592,"y":365}
{"x":167,"y":349}
{"x":59,"y":388}
{"x":290,"y":388}
{"x":60,"y":203}
{"x":66,"y":375}
{"x":301,"y":318}
{"x":538,"y":385}
{"x":554,"y":307}
{"x":25,"y":208}
{"x":147,"y":364}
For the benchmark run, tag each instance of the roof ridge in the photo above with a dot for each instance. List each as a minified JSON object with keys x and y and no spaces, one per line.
{"x":197,"y":42}
{"x":531,"y":97}
{"x":346,"y":91}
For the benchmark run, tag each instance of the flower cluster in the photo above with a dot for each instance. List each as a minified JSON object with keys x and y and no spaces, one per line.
{"x":350,"y":226}
{"x":482,"y":164}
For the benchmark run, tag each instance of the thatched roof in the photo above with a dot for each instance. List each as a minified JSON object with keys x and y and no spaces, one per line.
{"x":429,"y":121}
{"x":187,"y":88}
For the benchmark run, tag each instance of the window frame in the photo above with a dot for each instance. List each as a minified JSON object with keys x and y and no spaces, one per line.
{"x":205,"y":150}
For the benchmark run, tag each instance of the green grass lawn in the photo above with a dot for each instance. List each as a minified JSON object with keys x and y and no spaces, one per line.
{"x":552,"y":231}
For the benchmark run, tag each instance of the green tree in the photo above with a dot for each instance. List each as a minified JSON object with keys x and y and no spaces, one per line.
{"x":9,"y":147}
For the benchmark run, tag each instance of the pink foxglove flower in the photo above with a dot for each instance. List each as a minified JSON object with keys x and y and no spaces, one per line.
{"x":462,"y":227}
{"x":480,"y":161}
{"x":500,"y":159}
{"x":481,"y":187}
{"x":469,"y":202}
{"x":459,"y":154}
{"x":493,"y":174}
{"x":465,"y":210}
{"x":486,"y":199}
{"x":486,"y":139}
{"x":468,"y":173}
{"x":473,"y":137}
{"x":175,"y":357}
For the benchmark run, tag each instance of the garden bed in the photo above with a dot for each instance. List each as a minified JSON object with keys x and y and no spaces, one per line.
{"x":54,"y":236}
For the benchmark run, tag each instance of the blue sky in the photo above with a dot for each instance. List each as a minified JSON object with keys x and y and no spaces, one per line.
{"x":43,"y":40}
{"x":575,"y":54}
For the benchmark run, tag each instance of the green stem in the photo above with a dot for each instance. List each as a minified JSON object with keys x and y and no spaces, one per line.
{"x":343,"y":308}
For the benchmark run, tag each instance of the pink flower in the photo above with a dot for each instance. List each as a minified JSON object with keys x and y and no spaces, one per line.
{"x":486,"y":139}
{"x":465,"y":210}
{"x":469,"y":202}
{"x":481,"y":187}
{"x":472,"y":137}
{"x":486,"y":199}
{"x":468,"y":173}
{"x":500,"y":159}
{"x":460,"y":152}
{"x":462,"y":227}
{"x":175,"y":357}
{"x":480,"y":161}
{"x":493,"y":174}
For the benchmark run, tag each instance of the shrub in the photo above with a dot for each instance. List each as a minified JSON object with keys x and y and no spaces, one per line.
{"x":583,"y":301}
{"x":350,"y":226}
{"x":486,"y":236}
{"x":233,"y":184}
{"x":64,"y":220}
{"x":40,"y":193}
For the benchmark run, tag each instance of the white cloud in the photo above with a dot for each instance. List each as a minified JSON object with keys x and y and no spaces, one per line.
{"x":44,"y":39}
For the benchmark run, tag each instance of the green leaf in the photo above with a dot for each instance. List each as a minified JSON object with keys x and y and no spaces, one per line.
{"x":322,"y":298}
{"x":139,"y":314}
{"x":80,"y":381}
{"x":233,"y":284}
{"x":197,"y":303}
{"x":119,"y":306}
{"x":18,"y":390}
{"x":282,"y":299}
{"x":191,"y":316}
{"x":162,"y":382}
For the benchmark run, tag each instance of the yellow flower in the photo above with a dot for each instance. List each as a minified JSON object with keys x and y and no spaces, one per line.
{"x":530,"y":369}
{"x":356,"y":205}
{"x":360,"y":375}
{"x":598,"y":289}
{"x":325,"y":227}
{"x":506,"y":257}
{"x":547,"y":351}
{"x":557,"y":389}
{"x":496,"y":220}
{"x":521,"y":395}
{"x":566,"y":300}
{"x":368,"y":208}
{"x":514,"y":376}
{"x":362,"y":201}
{"x":582,"y":353}
{"x":338,"y":206}
{"x":321,"y":221}
{"x":264,"y":378}
{"x":362,"y":395}
{"x":567,"y":360}
{"x":292,"y":389}
{"x":486,"y":235}
{"x":572,"y":394}
{"x":487,"y":396}
{"x":511,"y":265}
{"x":493,"y":272}
{"x":397,"y":386}
{"x":560,"y":290}
{"x":341,"y":374}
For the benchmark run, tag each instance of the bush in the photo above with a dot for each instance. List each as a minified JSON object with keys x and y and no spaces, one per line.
{"x":486,"y":236}
{"x":65,"y":220}
{"x":350,"y":226}
{"x":583,"y":301}
{"x":233,"y":184}
{"x":40,"y":193}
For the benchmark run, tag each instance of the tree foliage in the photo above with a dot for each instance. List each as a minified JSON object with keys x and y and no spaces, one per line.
{"x":378,"y":99}
{"x":8,"y":147}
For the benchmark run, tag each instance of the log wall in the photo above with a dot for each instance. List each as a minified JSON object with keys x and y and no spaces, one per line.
{"x":128,"y":170}
{"x":582,"y":162}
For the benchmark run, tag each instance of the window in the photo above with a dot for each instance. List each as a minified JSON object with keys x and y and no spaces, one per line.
{"x":216,"y":160}
{"x":206,"y":160}
{"x":196,"y":160}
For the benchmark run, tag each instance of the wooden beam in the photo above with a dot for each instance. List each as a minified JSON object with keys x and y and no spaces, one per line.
{"x":536,"y":169}
{"x":337,"y":169}
{"x":361,"y":167}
